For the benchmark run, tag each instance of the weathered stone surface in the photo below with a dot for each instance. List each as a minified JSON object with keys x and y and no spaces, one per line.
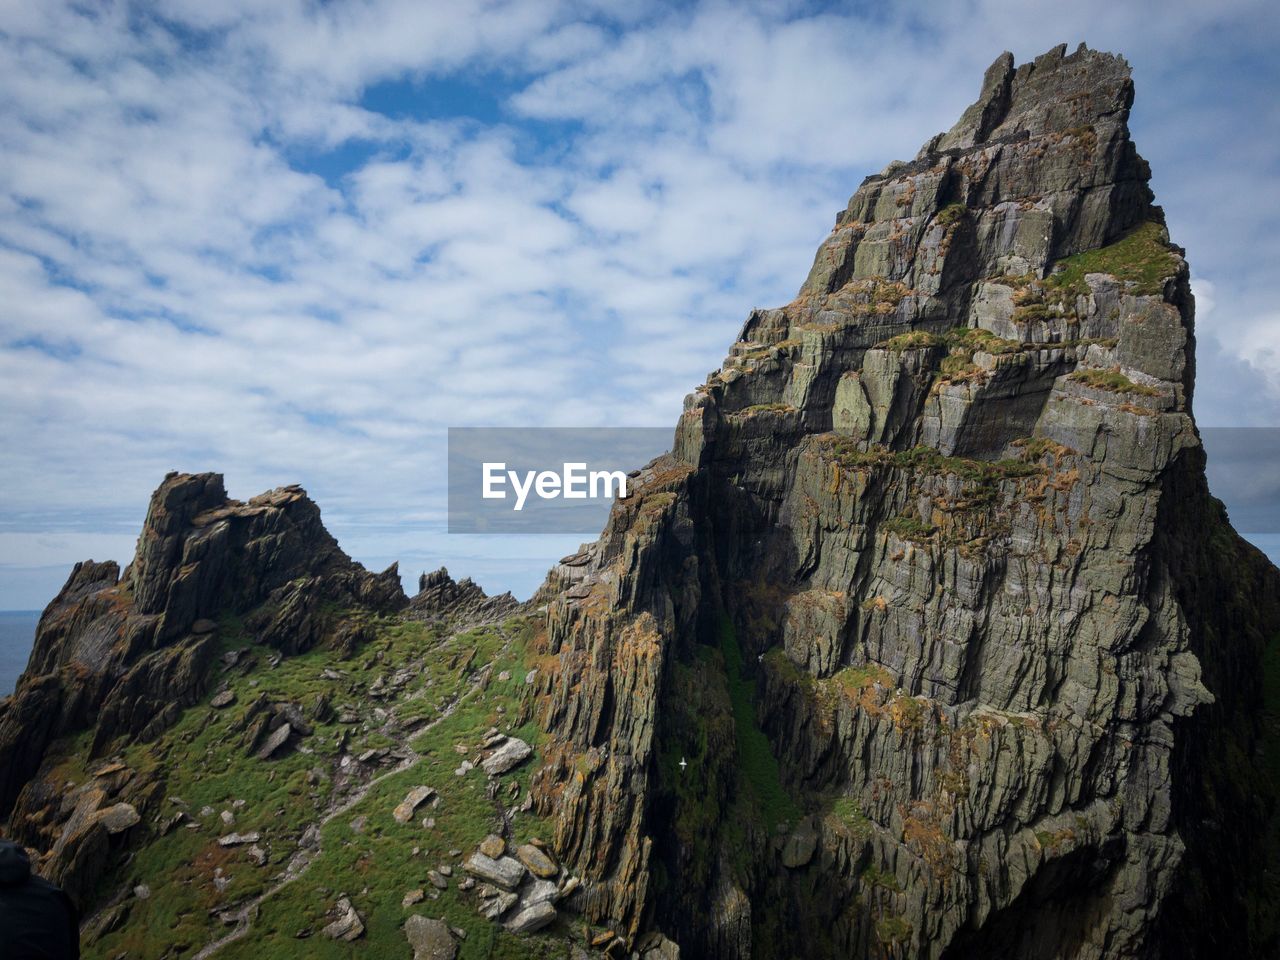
{"x":539,"y":863}
{"x":531,"y":918}
{"x":430,"y":938}
{"x":944,"y":519}
{"x":118,"y":818}
{"x":538,"y":891}
{"x":799,"y":848}
{"x":238,"y":839}
{"x":348,"y":925}
{"x":493,"y":846}
{"x":125,"y":658}
{"x":442,"y":599}
{"x":933,"y":549}
{"x":274,"y":741}
{"x":495,"y":907}
{"x":508,"y":755}
{"x":223,"y":698}
{"x":404,"y":811}
{"x":506,"y":872}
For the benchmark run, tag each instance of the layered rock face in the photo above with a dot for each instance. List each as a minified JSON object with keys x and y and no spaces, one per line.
{"x":121,"y":656}
{"x":927,"y":639}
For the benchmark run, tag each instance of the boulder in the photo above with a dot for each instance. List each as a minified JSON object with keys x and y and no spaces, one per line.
{"x":118,"y":818}
{"x":495,"y":907}
{"x":509,"y":755}
{"x":429,"y":938}
{"x":505,"y":872}
{"x":539,"y":891}
{"x":277,"y":739}
{"x":222,"y":699}
{"x":799,"y":848}
{"x":531,"y":918}
{"x":493,"y":846}
{"x":238,"y":839}
{"x":348,"y":926}
{"x":414,"y":799}
{"x":538,"y":862}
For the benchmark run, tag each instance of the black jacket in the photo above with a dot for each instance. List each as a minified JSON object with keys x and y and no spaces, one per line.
{"x":37,"y":920}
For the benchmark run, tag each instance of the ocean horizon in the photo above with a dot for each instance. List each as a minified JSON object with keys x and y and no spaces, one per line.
{"x":17,"y":632}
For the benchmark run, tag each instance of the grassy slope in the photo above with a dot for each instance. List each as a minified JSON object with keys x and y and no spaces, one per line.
{"x":206,"y":765}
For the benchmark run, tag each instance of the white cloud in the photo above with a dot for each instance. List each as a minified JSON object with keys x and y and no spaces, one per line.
{"x":215,"y":256}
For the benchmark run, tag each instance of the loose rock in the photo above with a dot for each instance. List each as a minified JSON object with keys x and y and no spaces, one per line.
{"x":429,"y":938}
{"x":414,"y":799}
{"x":506,"y":872}
{"x":512,"y":753}
{"x":349,"y":926}
{"x":538,"y":862}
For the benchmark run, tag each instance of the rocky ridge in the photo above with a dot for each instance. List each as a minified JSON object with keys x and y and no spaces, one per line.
{"x":121,"y":656}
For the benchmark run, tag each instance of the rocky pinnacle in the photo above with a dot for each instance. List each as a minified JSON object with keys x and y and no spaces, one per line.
{"x":931,"y":594}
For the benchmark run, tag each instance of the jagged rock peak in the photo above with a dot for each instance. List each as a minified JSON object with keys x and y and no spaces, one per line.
{"x":123,"y":654}
{"x":440,"y":597}
{"x":1039,"y":168}
{"x":1054,"y":93}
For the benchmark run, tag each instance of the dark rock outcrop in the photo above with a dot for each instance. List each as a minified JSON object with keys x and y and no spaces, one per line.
{"x":123,"y":655}
{"x":928,"y":639}
{"x":440,"y":598}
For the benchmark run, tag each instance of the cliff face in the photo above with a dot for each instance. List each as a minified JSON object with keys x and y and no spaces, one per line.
{"x":931,"y":598}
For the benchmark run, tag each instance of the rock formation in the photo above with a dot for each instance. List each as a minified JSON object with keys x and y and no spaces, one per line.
{"x":441,"y":599}
{"x":926,"y":640}
{"x":123,"y":655}
{"x":931,"y":597}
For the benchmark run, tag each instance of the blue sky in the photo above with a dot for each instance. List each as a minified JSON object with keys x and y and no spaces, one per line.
{"x":296,"y":241}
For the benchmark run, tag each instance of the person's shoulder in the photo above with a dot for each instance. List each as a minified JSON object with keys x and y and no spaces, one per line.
{"x":43,"y":886}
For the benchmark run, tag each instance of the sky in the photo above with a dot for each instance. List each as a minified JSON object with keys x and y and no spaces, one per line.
{"x":294,"y":242}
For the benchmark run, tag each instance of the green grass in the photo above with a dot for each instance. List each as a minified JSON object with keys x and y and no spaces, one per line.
{"x":206,"y":764}
{"x":910,"y":528}
{"x":911,"y":340}
{"x":1142,"y":257}
{"x":893,"y":930}
{"x":758,"y":766}
{"x":1035,"y":449}
{"x":849,"y":811}
{"x":874,"y":878}
{"x":974,"y":339}
{"x":964,"y":343}
{"x":1114,"y":381}
{"x":952,"y":213}
{"x":928,"y":460}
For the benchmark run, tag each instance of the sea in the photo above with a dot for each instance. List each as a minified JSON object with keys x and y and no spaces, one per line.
{"x":17,"y":632}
